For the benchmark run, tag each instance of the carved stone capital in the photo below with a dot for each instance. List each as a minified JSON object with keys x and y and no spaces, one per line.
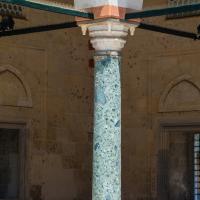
{"x":108,"y":35}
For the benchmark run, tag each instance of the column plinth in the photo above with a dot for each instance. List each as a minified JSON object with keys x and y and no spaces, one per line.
{"x":108,"y":39}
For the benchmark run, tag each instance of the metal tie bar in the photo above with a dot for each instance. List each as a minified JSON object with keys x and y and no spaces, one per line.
{"x":73,"y":12}
{"x":67,"y":25}
{"x":168,"y":31}
{"x":163,"y":11}
{"x":39,"y":29}
{"x":48,"y":7}
{"x":39,"y":4}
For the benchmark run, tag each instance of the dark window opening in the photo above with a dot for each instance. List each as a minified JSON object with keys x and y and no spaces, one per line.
{"x":175,"y":166}
{"x":9,"y":164}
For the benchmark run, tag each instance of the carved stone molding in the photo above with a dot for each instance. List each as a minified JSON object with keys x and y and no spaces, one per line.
{"x":181,"y":94}
{"x":108,"y":36}
{"x":14,"y":90}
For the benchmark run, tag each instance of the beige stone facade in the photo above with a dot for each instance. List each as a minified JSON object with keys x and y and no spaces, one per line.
{"x":46,"y":90}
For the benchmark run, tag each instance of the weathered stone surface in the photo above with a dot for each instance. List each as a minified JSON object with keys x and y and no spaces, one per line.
{"x":59,"y":124}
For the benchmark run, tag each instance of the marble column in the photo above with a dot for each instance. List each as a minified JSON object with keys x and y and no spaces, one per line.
{"x":107,"y":129}
{"x":108,"y":39}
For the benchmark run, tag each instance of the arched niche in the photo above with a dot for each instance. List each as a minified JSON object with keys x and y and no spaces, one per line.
{"x":14,"y":90}
{"x":181,"y":94}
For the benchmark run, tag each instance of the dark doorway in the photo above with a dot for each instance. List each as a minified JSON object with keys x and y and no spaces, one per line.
{"x":9,"y":163}
{"x":176,"y":165}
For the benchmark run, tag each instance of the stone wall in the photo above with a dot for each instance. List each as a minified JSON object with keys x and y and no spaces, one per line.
{"x":46,"y":85}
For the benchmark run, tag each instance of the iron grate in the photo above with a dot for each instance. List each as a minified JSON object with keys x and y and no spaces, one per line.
{"x":174,"y":3}
{"x":197,"y":166}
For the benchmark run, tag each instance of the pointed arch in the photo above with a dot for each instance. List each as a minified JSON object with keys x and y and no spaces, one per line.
{"x":14,"y":90}
{"x":181,"y":94}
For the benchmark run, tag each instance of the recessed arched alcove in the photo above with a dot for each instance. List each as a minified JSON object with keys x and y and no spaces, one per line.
{"x":181,"y":94}
{"x":14,"y":90}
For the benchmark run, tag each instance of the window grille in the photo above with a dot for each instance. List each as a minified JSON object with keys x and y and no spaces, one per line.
{"x":173,"y":3}
{"x":11,"y":10}
{"x":197,"y":166}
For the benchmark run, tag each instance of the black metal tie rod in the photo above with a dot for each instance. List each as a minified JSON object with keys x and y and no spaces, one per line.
{"x":168,"y":31}
{"x":68,"y":25}
{"x":39,"y":29}
{"x":163,"y":11}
